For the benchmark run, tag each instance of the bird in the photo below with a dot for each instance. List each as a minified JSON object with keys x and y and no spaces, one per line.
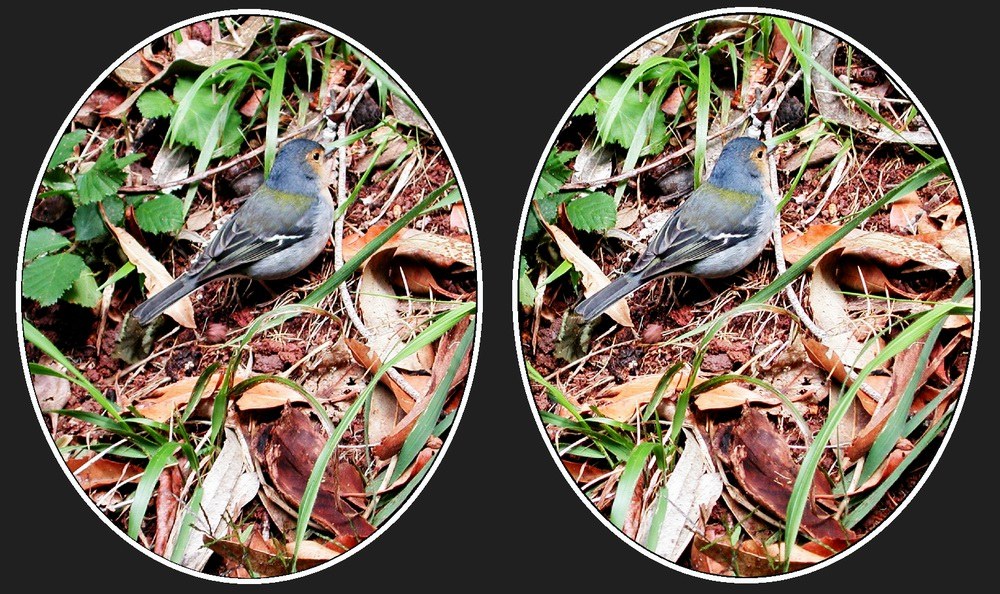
{"x":722,"y":226}
{"x":278,"y":231}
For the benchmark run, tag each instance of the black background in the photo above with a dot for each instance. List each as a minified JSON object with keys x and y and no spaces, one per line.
{"x":496,"y":78}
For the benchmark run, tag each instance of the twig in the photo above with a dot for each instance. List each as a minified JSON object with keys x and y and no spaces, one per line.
{"x":793,"y":299}
{"x":338,"y":251}
{"x":838,"y":174}
{"x":247,"y":156}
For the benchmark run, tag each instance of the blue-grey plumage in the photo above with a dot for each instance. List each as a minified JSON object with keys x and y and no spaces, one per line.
{"x":278,"y":231}
{"x":723,"y":226}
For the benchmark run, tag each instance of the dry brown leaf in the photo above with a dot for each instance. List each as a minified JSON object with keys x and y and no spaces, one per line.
{"x":829,"y":309}
{"x":958,"y":246}
{"x":384,"y":413}
{"x":866,"y":277}
{"x":458,"y":220}
{"x":673,"y":104}
{"x":583,"y":472}
{"x":103,"y":472}
{"x":367,"y":359}
{"x":622,"y":402}
{"x":826,"y":149}
{"x":593,"y":278}
{"x":162,"y":402}
{"x":948,"y":213}
{"x":797,"y":245}
{"x":52,"y":392}
{"x":714,"y":553}
{"x":156,"y":276}
{"x":762,"y":463}
{"x":905,"y":212}
{"x":896,"y":251}
{"x":378,"y":305}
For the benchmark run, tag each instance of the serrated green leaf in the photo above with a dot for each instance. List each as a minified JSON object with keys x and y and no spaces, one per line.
{"x":588,"y":106}
{"x":64,"y":150}
{"x":104,"y":177}
{"x":163,"y":214}
{"x":42,"y":241}
{"x":48,"y":278}
{"x":197,"y":121}
{"x":84,"y":290}
{"x":155,"y":104}
{"x":555,"y":172}
{"x":593,"y":212}
{"x":622,"y":129}
{"x":87,"y":222}
{"x":549,"y":205}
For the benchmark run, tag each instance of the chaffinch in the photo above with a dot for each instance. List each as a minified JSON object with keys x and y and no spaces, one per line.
{"x":716,"y":232}
{"x":278,"y":231}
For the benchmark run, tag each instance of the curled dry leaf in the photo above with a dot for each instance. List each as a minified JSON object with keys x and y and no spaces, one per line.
{"x":624,"y":401}
{"x":762,"y":463}
{"x":906,"y":212}
{"x":230,"y":46}
{"x":288,"y":449}
{"x":156,"y":276}
{"x":102,"y":472}
{"x":162,"y":402}
{"x":370,"y":362}
{"x":958,"y":246}
{"x":657,"y":46}
{"x":829,"y":309}
{"x":377,"y":299}
{"x":390,"y":444}
{"x":226,"y":489}
{"x":692,"y":490}
{"x":837,"y":108}
{"x":594,"y":278}
{"x":828,"y":360}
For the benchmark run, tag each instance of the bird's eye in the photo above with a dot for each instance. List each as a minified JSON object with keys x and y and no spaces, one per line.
{"x":316,"y":155}
{"x":759,"y":154}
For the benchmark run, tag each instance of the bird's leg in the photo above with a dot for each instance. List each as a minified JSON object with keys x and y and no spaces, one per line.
{"x":274,"y":295}
{"x":712,"y":293}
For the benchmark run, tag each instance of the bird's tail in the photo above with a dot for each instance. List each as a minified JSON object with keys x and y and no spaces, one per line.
{"x":149,"y":309}
{"x":593,"y":306}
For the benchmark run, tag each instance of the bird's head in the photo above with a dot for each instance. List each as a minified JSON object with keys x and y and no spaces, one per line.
{"x":742,"y":166}
{"x":300,"y":163}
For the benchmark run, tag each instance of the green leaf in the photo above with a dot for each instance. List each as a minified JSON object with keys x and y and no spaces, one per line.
{"x":84,"y":290}
{"x":64,"y":150}
{"x":593,"y":212}
{"x":87,"y":222}
{"x":622,"y":128}
{"x":46,"y":279}
{"x":549,"y":206}
{"x":58,"y":181}
{"x":163,"y":214}
{"x":588,"y":106}
{"x":105,"y":176}
{"x":194,"y":128}
{"x":155,"y":104}
{"x":555,"y":172}
{"x":42,"y":241}
{"x":525,"y":290}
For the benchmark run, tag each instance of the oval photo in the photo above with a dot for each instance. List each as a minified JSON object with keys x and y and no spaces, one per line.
{"x":248,"y":429}
{"x":745,"y":296}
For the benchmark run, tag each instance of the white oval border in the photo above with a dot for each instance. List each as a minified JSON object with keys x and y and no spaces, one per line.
{"x":479,"y":299}
{"x":976,"y":287}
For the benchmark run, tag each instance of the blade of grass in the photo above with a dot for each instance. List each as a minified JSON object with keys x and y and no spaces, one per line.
{"x":32,"y":335}
{"x":393,"y":503}
{"x":274,"y":100}
{"x":199,"y":389}
{"x":803,"y":481}
{"x":634,"y":468}
{"x":184,"y":534}
{"x":701,"y":115}
{"x":144,"y":491}
{"x":422,"y":429}
{"x":858,"y":513}
{"x":434,"y":331}
{"x":806,"y":61}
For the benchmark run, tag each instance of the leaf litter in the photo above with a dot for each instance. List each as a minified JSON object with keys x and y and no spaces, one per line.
{"x":787,"y":368}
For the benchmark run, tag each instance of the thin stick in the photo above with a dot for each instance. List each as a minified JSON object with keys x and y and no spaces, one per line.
{"x":338,"y":250}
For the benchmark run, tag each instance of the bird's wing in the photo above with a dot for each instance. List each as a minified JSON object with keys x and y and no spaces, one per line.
{"x":698,"y":229}
{"x":248,"y":236}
